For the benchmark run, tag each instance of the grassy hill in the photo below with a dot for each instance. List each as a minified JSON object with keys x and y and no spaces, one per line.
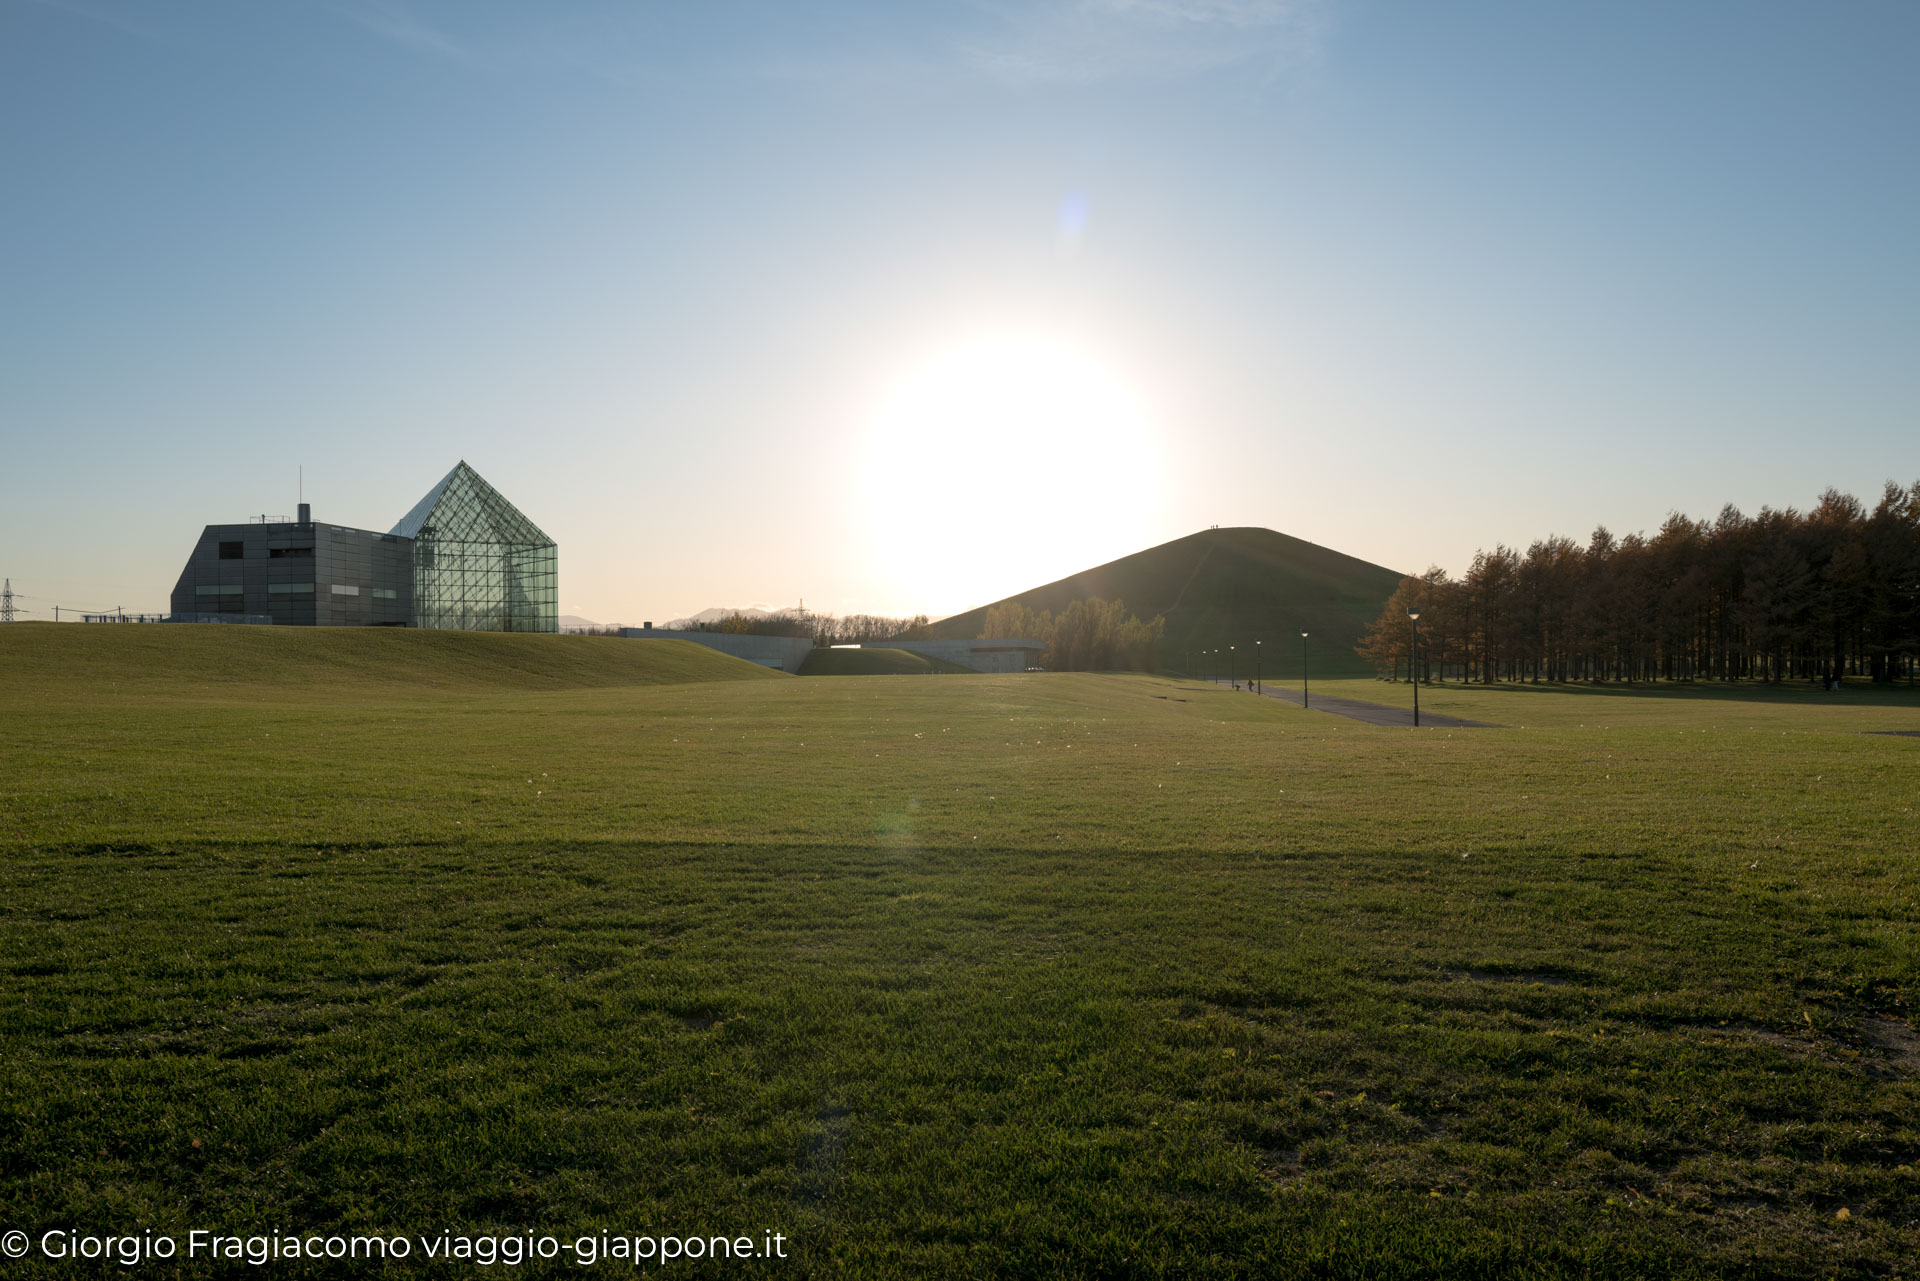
{"x":1229,"y":587}
{"x":875,"y":662}
{"x":184,"y":658}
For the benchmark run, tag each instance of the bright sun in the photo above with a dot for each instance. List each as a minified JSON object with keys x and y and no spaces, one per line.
{"x":1002,"y":464}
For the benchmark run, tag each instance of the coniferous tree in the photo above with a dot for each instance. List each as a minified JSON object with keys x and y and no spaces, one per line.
{"x":1783,"y":595}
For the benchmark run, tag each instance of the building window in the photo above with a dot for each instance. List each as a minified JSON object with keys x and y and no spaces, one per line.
{"x":385,"y":593}
{"x":233,"y":551}
{"x":277,"y":552}
{"x":290,"y":589}
{"x":344,"y":589}
{"x":218,"y":589}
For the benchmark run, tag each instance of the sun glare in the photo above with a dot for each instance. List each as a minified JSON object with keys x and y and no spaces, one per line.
{"x":1002,"y":464}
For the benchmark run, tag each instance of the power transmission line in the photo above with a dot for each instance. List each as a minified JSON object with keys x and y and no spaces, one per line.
{"x":69,"y":607}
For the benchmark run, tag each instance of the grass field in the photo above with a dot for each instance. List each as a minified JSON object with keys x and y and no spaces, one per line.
{"x":1007,"y":976}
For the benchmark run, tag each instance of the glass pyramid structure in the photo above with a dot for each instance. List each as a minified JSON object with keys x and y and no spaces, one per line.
{"x":478,"y":564}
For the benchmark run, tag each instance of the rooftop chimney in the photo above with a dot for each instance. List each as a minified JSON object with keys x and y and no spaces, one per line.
{"x":306,"y":513}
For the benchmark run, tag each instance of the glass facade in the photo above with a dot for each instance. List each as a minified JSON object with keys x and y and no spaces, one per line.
{"x":478,"y":564}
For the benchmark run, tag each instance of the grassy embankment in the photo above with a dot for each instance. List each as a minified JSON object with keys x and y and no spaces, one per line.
{"x":877,"y":662}
{"x":1027,"y":975}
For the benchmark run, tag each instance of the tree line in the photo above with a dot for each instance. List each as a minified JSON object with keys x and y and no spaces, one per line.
{"x":1089,"y":635}
{"x":825,"y":630}
{"x":1784,"y":595}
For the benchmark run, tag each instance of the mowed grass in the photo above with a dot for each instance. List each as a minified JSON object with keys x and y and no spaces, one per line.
{"x":1007,"y":976}
{"x":91,"y":663}
{"x":1700,"y":707}
{"x":877,"y":662}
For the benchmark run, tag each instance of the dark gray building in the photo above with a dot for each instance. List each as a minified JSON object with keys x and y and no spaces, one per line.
{"x":464,"y":558}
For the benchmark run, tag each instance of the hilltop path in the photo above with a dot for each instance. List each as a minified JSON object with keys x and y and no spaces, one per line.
{"x":1371,"y":713}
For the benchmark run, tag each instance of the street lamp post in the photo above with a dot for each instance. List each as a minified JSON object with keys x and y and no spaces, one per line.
{"x":1233,"y":673}
{"x":1304,"y":696}
{"x":1256,"y":667}
{"x":1413,"y":663}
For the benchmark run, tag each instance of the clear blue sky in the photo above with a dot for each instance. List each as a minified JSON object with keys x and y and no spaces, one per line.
{"x":1405,"y":279}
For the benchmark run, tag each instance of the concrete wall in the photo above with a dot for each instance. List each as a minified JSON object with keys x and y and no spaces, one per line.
{"x":783,"y":652}
{"x":1010,"y":655}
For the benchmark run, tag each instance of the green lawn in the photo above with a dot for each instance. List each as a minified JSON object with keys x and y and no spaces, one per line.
{"x":1798,"y":707}
{"x":1008,"y":976}
{"x":874,"y":661}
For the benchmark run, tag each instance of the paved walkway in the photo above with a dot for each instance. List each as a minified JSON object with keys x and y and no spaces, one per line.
{"x":1368,"y":713}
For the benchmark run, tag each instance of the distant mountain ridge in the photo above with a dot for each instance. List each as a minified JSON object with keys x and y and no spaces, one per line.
{"x":575,"y":623}
{"x":1224,"y":587}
